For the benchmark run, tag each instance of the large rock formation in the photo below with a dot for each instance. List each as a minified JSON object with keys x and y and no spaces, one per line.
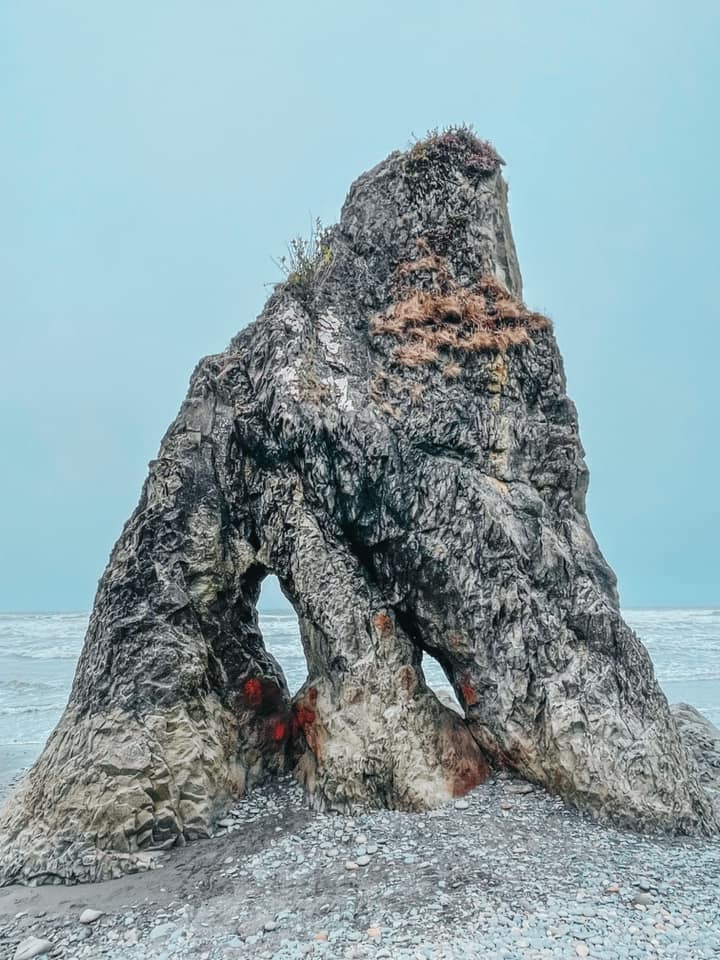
{"x":393,"y":440}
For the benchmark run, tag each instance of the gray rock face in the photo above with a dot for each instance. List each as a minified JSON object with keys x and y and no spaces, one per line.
{"x":393,"y":440}
{"x":702,"y":739}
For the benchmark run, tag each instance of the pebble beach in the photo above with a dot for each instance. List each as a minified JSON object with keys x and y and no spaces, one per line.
{"x":506,"y":872}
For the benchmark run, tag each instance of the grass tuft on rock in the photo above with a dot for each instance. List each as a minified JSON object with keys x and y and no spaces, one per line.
{"x":451,"y":147}
{"x":306,"y":263}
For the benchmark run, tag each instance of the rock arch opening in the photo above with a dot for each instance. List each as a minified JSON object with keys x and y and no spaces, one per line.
{"x":439,"y":682}
{"x":280,"y":630}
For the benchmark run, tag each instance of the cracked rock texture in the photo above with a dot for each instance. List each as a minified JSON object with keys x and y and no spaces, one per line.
{"x":417,"y":484}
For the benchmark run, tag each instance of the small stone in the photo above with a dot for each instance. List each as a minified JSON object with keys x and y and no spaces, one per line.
{"x":371,"y":848}
{"x":643,"y":899}
{"x":32,"y":947}
{"x":374,"y":932}
{"x":461,"y":804}
{"x":644,"y":884}
{"x":351,"y":865}
{"x":506,"y":805}
{"x":90,"y":916}
{"x":612,"y":888}
{"x":582,"y":949}
{"x":363,"y":861}
{"x":520,"y":788}
{"x":270,"y":925}
{"x":162,"y":930}
{"x":321,"y":937}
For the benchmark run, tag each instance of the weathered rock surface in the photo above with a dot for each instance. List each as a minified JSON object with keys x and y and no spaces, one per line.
{"x":702,"y":740}
{"x":393,"y":440}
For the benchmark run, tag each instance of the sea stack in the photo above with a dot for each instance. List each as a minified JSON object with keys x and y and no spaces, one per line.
{"x":392,"y":439}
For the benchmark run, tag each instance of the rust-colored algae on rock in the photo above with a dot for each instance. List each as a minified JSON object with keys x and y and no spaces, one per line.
{"x":468,"y":692}
{"x":252,"y":689}
{"x":442,"y":320}
{"x":462,"y":760}
{"x":384,"y":624}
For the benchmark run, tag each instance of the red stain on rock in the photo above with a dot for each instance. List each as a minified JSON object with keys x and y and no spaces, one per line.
{"x":384,"y":625}
{"x":468,"y":691}
{"x":462,"y":760}
{"x":278,"y":731}
{"x":305,"y":717}
{"x":468,"y":776}
{"x":253,"y":692}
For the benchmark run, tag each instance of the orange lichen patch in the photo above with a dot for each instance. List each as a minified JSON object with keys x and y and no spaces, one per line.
{"x":481,"y":317}
{"x":462,"y":759}
{"x":252,"y":689}
{"x":468,"y":691}
{"x":384,"y":625}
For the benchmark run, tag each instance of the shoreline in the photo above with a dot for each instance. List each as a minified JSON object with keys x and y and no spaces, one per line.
{"x":508,"y":871}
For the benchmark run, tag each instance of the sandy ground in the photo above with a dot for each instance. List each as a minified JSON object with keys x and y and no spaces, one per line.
{"x":508,"y":872}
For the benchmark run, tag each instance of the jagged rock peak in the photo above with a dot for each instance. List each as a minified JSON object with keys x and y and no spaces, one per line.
{"x":393,"y":440}
{"x":445,"y":195}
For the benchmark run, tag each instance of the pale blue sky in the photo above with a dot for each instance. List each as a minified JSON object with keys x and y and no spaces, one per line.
{"x":155,"y":156}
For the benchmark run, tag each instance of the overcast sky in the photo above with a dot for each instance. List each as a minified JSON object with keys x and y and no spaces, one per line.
{"x":156,"y":156}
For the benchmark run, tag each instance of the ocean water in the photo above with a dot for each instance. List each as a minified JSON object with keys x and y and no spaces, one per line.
{"x":38,"y":653}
